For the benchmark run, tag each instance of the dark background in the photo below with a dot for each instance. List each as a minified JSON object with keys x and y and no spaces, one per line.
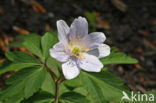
{"x":129,"y":25}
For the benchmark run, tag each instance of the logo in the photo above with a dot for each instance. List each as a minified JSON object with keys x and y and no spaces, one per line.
{"x":137,"y":96}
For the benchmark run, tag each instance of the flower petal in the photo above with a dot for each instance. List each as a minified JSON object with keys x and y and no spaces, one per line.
{"x":79,"y":27}
{"x":94,"y":52}
{"x":94,"y":39}
{"x":63,"y":31}
{"x":59,"y":53}
{"x":70,"y":69}
{"x":90,"y":63}
{"x":102,"y":51}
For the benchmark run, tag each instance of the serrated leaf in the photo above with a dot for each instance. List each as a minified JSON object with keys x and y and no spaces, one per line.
{"x":103,"y":87}
{"x":14,"y":66}
{"x":18,"y":41}
{"x":49,"y":84}
{"x":118,"y":58}
{"x":34,"y":82}
{"x":81,"y":90}
{"x":73,"y":97}
{"x":33,"y":44}
{"x":63,"y":89}
{"x":47,"y":41}
{"x":76,"y":82}
{"x":15,"y":99}
{"x":40,"y":97}
{"x":20,"y":60}
{"x":94,"y":90}
{"x":54,"y":65}
{"x":11,"y":91}
{"x":21,"y":57}
{"x":25,"y":82}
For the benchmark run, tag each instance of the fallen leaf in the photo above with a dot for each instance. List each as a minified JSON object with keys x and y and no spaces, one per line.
{"x":153,"y":21}
{"x":141,"y":79}
{"x":1,"y":10}
{"x":140,"y":88}
{"x":48,"y":28}
{"x":103,"y":23}
{"x":119,"y":5}
{"x":20,"y":30}
{"x":1,"y":60}
{"x":144,"y":32}
{"x":138,"y":66}
{"x":6,"y":39}
{"x":37,"y":7}
{"x":148,"y":44}
{"x":139,"y":50}
{"x":1,"y":43}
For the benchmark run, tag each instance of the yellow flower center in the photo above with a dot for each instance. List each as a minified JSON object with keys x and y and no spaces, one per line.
{"x":76,"y":51}
{"x":77,"y":47}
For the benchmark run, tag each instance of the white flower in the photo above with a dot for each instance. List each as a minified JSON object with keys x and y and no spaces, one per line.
{"x":77,"y":49}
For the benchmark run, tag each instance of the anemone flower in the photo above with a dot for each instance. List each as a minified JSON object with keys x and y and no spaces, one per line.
{"x":77,"y":49}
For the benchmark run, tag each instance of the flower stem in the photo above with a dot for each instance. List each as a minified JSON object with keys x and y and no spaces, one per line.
{"x":58,"y":82}
{"x":57,"y":91}
{"x":51,"y":73}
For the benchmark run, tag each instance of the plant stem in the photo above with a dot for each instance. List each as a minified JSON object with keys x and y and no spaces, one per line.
{"x":58,"y":82}
{"x":57,"y":91}
{"x":51,"y":73}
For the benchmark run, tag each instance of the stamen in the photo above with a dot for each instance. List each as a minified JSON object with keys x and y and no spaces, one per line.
{"x":77,"y":47}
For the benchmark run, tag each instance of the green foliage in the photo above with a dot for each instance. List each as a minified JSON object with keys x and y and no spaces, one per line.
{"x":47,"y":41}
{"x":118,"y":58}
{"x":18,"y":42}
{"x":54,"y":65}
{"x":21,"y":57}
{"x":19,"y":60}
{"x":33,"y":84}
{"x":14,"y":66}
{"x":92,"y":20}
{"x":72,"y":97}
{"x":40,"y":97}
{"x":49,"y":84}
{"x":103,"y":86}
{"x":26,"y":82}
{"x":33,"y":44}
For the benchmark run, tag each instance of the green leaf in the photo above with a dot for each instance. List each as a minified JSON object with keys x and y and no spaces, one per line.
{"x":63,"y":89}
{"x":92,"y":19}
{"x":15,"y":99}
{"x":81,"y":90}
{"x":14,"y":66}
{"x":19,"y":39}
{"x":34,"y":82}
{"x":76,"y":82}
{"x":118,"y":58}
{"x":18,"y":42}
{"x":103,"y":87}
{"x":33,"y":44}
{"x":26,"y":82}
{"x":40,"y":97}
{"x":20,"y":60}
{"x":47,"y":41}
{"x":49,"y":84}
{"x":21,"y":57}
{"x":54,"y":65}
{"x":73,"y":97}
